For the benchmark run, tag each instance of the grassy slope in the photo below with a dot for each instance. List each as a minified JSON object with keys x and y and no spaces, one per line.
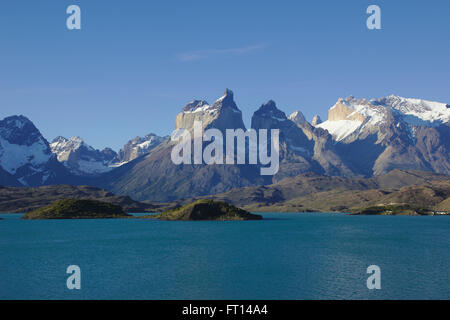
{"x":319,"y":193}
{"x":77,"y":209}
{"x":25,"y":199}
{"x":207,"y":210}
{"x":432,"y":196}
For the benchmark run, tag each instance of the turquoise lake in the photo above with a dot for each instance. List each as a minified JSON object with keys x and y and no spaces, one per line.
{"x":285,"y":256}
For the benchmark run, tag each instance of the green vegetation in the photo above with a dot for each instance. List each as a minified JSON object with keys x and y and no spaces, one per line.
{"x":424,"y":193}
{"x":443,"y":206}
{"x":309,"y":192}
{"x":394,"y":209}
{"x":77,"y":209}
{"x":25,"y":199}
{"x":207,"y":210}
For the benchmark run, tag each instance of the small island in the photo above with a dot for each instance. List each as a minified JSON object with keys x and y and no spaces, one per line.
{"x":206,"y":210}
{"x":77,"y":209}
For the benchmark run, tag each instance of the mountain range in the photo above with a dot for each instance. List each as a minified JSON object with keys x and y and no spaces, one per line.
{"x":83,"y":160}
{"x":360,"y":139}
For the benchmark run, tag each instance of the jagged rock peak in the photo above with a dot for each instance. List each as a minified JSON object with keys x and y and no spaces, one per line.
{"x":222,"y":114}
{"x":80,"y":158}
{"x":347,"y":109}
{"x":424,"y":111}
{"x":414,"y":111}
{"x":19,"y":130}
{"x":269,"y":109}
{"x":195,"y":105}
{"x":59,"y":139}
{"x":139,"y":146}
{"x":351,"y":101}
{"x":227,"y":100}
{"x":297,"y":117}
{"x":269,"y":105}
{"x":18,"y":121}
{"x":316,"y":120}
{"x":24,"y":152}
{"x":60,"y":143}
{"x":228,"y":94}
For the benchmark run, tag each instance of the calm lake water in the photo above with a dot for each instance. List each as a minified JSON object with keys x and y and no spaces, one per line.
{"x":285,"y":256}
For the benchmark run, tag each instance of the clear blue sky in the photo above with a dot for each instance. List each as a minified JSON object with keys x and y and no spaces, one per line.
{"x":135,"y":64}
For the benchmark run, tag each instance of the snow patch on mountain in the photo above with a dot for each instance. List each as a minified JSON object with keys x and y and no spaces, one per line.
{"x":80,"y":158}
{"x":202,"y":107}
{"x":94,"y":167}
{"x":222,"y":114}
{"x":63,"y":147}
{"x":137,"y":147}
{"x":350,"y":115}
{"x":15,"y":156}
{"x":24,"y":152}
{"x":340,"y":129}
{"x":417,"y":111}
{"x":297,"y":117}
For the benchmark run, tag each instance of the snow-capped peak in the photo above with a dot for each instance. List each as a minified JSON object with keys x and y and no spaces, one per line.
{"x":222,"y":114}
{"x":350,"y":115}
{"x":62,"y":147}
{"x":80,"y":158}
{"x":203,"y":106}
{"x":297,"y":117}
{"x":226,"y":101}
{"x":137,"y":147}
{"x":228,"y":94}
{"x":196,"y":106}
{"x":24,"y":152}
{"x":270,"y":110}
{"x":417,"y":111}
{"x":18,"y":122}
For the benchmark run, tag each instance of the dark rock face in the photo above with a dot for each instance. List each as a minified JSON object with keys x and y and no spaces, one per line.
{"x":7,"y":179}
{"x":410,"y":147}
{"x":434,"y":146}
{"x":327,"y":155}
{"x":295,"y":147}
{"x":77,"y":209}
{"x":303,"y":148}
{"x":324,"y":151}
{"x":109,"y":154}
{"x":155,"y":177}
{"x":19,"y":130}
{"x":208,"y":210}
{"x":268,"y":116}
